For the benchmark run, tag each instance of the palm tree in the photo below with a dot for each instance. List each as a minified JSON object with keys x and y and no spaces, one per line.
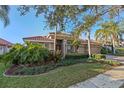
{"x":75,"y":41}
{"x":108,"y":34}
{"x":4,"y":10}
{"x":89,"y":21}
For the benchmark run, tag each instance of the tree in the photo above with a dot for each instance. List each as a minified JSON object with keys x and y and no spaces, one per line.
{"x":56,"y":16}
{"x":75,"y":41}
{"x":4,"y":10}
{"x":121,"y":28}
{"x":109,"y":33}
{"x":83,"y":17}
{"x":89,"y":21}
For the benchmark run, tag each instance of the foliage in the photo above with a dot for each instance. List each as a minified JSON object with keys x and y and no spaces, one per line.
{"x":81,"y":18}
{"x":33,"y":70}
{"x":4,"y":11}
{"x":109,"y":62}
{"x":105,"y":50}
{"x":119,"y":51}
{"x":112,"y":63}
{"x":75,"y":56}
{"x":75,"y":41}
{"x":109,"y":32}
{"x":98,"y":56}
{"x":55,"y":57}
{"x":64,"y":14}
{"x":26,"y":54}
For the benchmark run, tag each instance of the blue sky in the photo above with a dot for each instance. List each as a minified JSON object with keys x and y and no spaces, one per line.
{"x":25,"y":26}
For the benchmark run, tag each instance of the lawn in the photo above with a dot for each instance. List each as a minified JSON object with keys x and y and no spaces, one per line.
{"x":60,"y":77}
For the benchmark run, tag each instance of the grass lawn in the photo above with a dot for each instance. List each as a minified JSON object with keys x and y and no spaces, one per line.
{"x":60,"y":77}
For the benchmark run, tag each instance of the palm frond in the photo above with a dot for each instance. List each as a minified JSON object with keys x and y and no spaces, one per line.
{"x":4,"y":15}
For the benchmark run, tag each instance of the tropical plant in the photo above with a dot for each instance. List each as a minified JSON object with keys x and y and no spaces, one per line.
{"x":109,"y":33}
{"x":57,"y":57}
{"x":89,"y":21}
{"x":27,"y":54}
{"x":98,"y":56}
{"x":76,"y":42}
{"x":4,"y":10}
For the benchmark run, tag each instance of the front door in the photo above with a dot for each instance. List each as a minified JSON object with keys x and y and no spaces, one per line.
{"x":59,"y":45}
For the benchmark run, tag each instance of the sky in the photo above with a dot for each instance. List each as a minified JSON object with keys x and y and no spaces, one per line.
{"x":26,"y":26}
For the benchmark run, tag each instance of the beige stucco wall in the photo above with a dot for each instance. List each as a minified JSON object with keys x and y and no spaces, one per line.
{"x":94,"y":49}
{"x":4,"y":49}
{"x":51,"y":46}
{"x":82,"y":50}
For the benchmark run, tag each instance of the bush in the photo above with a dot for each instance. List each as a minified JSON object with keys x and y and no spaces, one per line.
{"x":26,"y":54}
{"x":119,"y":51}
{"x":55,"y":57}
{"x":105,"y":51}
{"x":33,"y":70}
{"x":98,"y":56}
{"x":75,"y":56}
{"x":112,"y":63}
{"x":26,"y":70}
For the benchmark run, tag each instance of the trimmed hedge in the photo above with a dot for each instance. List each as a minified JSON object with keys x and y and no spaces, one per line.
{"x":75,"y":56}
{"x":98,"y":56}
{"x":112,"y":63}
{"x":119,"y":51}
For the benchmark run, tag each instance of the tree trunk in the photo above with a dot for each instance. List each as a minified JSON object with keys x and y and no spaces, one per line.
{"x":89,"y":47}
{"x":55,"y":41}
{"x":113,"y":44}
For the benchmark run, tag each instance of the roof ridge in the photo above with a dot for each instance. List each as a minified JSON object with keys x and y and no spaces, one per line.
{"x":5,"y":42}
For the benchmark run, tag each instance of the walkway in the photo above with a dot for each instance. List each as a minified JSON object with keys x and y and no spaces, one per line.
{"x":111,"y":79}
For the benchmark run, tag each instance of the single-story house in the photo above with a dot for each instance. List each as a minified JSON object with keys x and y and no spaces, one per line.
{"x":63,"y":43}
{"x":4,"y":46}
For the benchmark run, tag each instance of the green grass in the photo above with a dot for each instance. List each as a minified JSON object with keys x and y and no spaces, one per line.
{"x":60,"y":77}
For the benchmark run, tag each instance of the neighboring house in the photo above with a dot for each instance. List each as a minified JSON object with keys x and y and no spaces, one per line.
{"x":4,"y":46}
{"x":63,"y":43}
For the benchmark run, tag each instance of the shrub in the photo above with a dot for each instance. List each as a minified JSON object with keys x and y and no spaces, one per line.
{"x":68,"y":62}
{"x":106,"y":50}
{"x":75,"y":56}
{"x":26,"y":54}
{"x":112,"y":63}
{"x":55,"y":57}
{"x":33,"y":70}
{"x":119,"y":51}
{"x":98,"y":56}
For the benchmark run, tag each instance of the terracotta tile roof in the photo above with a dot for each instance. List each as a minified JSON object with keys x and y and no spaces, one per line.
{"x":5,"y":43}
{"x":40,"y":38}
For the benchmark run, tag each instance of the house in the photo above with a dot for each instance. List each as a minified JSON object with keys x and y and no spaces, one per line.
{"x":4,"y":46}
{"x":63,"y":43}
